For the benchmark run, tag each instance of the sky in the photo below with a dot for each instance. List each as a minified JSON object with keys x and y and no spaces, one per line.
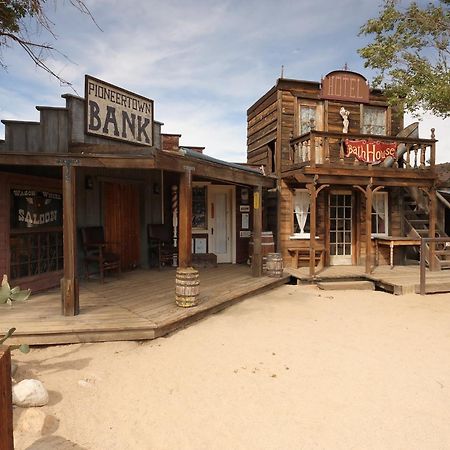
{"x":203,"y":62}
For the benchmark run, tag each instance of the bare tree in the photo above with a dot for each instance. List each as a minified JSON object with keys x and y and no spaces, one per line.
{"x":18,"y":17}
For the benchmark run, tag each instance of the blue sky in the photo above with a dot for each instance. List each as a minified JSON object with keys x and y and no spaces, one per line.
{"x":204,"y":62}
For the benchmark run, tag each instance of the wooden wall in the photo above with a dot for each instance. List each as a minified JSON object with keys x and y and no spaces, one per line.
{"x":8,"y":181}
{"x":359,"y":211}
{"x":262,"y":122}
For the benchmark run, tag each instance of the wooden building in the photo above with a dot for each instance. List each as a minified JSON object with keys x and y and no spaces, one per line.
{"x":352,"y":183}
{"x":103,"y":161}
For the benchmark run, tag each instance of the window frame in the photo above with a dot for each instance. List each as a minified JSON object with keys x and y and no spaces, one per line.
{"x":365,"y":109}
{"x":374,"y":214}
{"x":300,"y":235}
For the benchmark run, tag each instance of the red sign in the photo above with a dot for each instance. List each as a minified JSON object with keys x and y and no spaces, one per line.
{"x":372,"y":152}
{"x":345,"y":85}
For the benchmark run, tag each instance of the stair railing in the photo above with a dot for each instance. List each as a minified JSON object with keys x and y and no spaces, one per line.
{"x":423,"y":245}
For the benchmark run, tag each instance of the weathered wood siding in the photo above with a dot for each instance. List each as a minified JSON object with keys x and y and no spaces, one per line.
{"x":262,"y":123}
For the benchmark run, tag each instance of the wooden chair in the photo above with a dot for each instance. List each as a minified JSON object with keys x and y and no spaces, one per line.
{"x":160,"y":245}
{"x":96,"y":251}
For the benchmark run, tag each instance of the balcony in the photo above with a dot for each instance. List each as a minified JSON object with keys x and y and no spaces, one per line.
{"x":365,"y":151}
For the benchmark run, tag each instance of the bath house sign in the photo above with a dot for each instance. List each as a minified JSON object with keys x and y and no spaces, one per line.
{"x":371,"y":152}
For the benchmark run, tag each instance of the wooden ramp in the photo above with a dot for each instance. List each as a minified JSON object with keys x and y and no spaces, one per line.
{"x":400,"y":280}
{"x":139,"y":305}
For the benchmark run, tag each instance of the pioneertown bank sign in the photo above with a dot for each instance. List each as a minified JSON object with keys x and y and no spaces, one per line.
{"x":115,"y":113}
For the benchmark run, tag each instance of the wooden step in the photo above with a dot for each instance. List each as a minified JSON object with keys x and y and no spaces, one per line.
{"x":346,"y":285}
{"x":444,"y":264}
{"x":418,"y":221}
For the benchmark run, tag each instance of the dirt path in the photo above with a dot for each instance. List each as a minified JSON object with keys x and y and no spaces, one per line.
{"x":296,"y":368}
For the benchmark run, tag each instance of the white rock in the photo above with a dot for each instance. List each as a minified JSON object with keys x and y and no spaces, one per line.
{"x":31,"y":421}
{"x":29,"y":393}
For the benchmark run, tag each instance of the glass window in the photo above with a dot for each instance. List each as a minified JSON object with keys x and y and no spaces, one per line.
{"x":380,"y":214}
{"x":199,"y":207}
{"x":307,"y":116}
{"x":301,"y":213}
{"x":374,"y":120}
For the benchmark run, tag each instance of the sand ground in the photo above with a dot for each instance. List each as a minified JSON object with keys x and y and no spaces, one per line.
{"x":295,"y":368}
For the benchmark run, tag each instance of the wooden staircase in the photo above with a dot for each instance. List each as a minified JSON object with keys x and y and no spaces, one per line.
{"x":417,"y":226}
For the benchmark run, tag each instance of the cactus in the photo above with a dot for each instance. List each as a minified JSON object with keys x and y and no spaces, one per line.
{"x":8,"y":295}
{"x":24,"y":348}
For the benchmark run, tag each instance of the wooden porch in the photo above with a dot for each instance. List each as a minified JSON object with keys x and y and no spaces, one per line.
{"x":137,"y":305}
{"x":399,"y":280}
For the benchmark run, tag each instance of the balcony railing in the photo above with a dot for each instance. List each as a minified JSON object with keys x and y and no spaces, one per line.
{"x":328,"y":148}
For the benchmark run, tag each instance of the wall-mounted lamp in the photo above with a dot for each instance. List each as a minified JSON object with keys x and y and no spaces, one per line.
{"x":88,"y":182}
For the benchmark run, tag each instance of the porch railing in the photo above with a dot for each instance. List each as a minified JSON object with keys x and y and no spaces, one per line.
{"x":328,"y":148}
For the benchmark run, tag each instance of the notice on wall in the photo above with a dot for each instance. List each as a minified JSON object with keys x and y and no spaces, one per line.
{"x":245,"y":221}
{"x":115,"y":113}
{"x":35,"y":209}
{"x":245,"y":234}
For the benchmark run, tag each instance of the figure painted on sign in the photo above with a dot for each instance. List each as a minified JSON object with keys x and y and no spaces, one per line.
{"x":345,"y":122}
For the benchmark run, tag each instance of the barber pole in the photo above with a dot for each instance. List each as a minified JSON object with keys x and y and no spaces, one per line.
{"x":175,"y":221}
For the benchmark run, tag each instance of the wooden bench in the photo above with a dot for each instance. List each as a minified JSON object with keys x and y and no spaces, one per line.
{"x":302,"y":254}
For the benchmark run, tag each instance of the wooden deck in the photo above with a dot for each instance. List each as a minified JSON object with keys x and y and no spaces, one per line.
{"x":138,"y":305}
{"x":398,"y":280}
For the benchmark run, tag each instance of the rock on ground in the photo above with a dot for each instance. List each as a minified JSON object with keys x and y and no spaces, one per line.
{"x":29,"y":393}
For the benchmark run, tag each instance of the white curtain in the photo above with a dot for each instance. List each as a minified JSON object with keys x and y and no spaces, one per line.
{"x":301,"y":208}
{"x":378,"y":204}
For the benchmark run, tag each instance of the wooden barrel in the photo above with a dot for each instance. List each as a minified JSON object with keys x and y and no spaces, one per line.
{"x":274,"y":265}
{"x":187,"y":287}
{"x":267,"y":246}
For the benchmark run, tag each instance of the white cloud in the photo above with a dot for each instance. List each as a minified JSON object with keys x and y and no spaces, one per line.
{"x":204,"y":62}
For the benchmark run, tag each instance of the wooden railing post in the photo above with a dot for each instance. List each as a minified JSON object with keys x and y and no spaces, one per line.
{"x":432,"y":228}
{"x":368,"y":228}
{"x":312,"y":149}
{"x":433,"y":150}
{"x":6,"y":412}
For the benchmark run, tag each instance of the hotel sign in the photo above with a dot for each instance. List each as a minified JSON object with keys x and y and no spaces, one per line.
{"x":115,"y":113}
{"x":371,"y":152}
{"x":345,"y":86}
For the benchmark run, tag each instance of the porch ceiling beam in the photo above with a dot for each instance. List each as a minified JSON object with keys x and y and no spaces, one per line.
{"x":348,"y":172}
{"x":211,"y":170}
{"x":57,"y":159}
{"x":333,"y":180}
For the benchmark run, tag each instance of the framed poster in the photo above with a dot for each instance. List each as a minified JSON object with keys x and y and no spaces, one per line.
{"x":245,"y":221}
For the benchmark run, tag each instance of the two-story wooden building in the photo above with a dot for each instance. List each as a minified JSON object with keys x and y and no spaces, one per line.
{"x":351,"y":179}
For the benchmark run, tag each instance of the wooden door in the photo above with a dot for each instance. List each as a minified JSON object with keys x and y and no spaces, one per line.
{"x":122,"y":221}
{"x":220,"y":230}
{"x":341,"y":212}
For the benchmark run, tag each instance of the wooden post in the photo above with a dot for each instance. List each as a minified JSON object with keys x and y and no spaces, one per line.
{"x":368,"y":228}
{"x":257,"y":266}
{"x":433,"y":150}
{"x":312,"y":226}
{"x":69,"y":284}
{"x":312,"y":149}
{"x":6,"y":412}
{"x":432,"y":227}
{"x":185,"y":220}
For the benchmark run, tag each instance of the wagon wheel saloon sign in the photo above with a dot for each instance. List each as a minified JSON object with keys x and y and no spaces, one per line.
{"x":371,"y":152}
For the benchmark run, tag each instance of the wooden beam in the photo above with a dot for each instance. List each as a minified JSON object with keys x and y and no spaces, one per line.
{"x":69,"y":284}
{"x":185,"y":220}
{"x":257,"y":263}
{"x":6,"y":411}
{"x":312,"y":222}
{"x":368,"y":228}
{"x":92,"y":160}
